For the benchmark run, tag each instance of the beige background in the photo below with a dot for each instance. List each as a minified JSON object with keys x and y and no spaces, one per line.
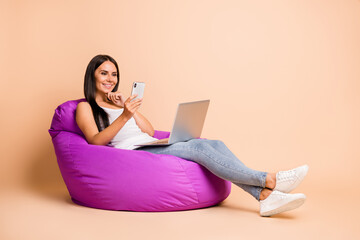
{"x":283,"y":78}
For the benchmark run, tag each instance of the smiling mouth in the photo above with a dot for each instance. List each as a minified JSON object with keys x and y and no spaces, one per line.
{"x":108,"y":85}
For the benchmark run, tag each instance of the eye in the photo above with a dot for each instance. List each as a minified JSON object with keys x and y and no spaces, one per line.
{"x":114,"y":74}
{"x":103,"y":73}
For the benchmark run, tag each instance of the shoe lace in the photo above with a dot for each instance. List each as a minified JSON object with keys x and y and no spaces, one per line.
{"x":286,"y":175}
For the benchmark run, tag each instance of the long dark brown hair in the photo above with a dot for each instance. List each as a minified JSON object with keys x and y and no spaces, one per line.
{"x":100,"y":116}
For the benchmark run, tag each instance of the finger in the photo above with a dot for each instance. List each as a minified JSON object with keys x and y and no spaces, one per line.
{"x":136,"y":106}
{"x":108,"y":96}
{"x":133,"y":105}
{"x":131,"y":98}
{"x":111,"y":97}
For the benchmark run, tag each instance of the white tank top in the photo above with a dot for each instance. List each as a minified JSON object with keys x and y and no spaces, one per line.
{"x":129,"y":135}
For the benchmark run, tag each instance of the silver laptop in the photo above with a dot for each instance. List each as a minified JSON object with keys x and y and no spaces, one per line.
{"x":188,"y":124}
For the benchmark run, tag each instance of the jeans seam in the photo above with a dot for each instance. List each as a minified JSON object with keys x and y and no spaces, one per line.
{"x":258,"y":194}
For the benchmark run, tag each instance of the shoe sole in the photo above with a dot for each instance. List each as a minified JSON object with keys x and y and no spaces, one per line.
{"x":287,"y":207}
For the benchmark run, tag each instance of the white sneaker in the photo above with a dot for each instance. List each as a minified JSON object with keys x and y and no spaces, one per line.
{"x":278,"y":202}
{"x":286,"y":181}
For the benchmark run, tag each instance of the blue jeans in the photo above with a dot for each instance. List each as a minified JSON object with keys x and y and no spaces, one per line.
{"x":218,"y":159}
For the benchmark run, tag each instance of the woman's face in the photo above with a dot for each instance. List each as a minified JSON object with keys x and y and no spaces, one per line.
{"x":105,"y":77}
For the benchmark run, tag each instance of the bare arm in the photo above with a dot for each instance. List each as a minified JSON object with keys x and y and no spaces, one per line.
{"x":141,"y":121}
{"x":87,"y":124}
{"x":144,"y":124}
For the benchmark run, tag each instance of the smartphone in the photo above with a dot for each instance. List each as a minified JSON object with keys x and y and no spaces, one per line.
{"x":138,"y":88}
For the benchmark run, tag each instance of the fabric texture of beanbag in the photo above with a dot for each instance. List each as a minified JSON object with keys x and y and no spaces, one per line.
{"x":134,"y":180}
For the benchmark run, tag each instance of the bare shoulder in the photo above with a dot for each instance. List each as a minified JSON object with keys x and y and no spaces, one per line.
{"x":85,"y":119}
{"x":83,"y":107}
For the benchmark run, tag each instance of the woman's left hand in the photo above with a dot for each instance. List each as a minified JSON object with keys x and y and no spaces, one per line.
{"x":117,"y":98}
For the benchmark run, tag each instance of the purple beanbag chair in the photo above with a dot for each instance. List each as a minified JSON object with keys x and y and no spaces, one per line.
{"x":117,"y":179}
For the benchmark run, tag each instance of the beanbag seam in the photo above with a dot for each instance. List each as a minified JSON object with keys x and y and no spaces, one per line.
{"x":187,"y":207}
{"x":192,"y":185}
{"x":76,"y":166}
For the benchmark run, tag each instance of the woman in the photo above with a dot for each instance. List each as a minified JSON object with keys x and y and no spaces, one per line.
{"x":107,"y":118}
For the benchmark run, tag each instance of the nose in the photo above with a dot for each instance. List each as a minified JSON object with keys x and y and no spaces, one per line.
{"x":109,"y":78}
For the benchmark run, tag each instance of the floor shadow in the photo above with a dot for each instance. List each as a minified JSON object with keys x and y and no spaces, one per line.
{"x":285,"y":215}
{"x":237,"y":208}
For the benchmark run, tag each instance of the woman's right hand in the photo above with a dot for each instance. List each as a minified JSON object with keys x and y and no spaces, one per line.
{"x":130,"y":107}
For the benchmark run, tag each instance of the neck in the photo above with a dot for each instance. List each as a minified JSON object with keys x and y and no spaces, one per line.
{"x":101,"y":98}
